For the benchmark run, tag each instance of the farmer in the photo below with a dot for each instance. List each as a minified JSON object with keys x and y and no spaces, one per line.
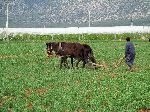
{"x":129,"y":53}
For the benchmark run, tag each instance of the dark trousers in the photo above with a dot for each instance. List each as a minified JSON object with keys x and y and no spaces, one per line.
{"x":129,"y":60}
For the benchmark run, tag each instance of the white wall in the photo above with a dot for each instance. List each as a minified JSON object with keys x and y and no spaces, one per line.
{"x":76,"y":30}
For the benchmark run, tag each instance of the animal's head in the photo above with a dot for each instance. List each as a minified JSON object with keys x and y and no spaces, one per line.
{"x":52,"y":47}
{"x":49,"y":48}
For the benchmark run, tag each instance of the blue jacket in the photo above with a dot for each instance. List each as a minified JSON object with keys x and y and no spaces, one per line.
{"x":129,"y":49}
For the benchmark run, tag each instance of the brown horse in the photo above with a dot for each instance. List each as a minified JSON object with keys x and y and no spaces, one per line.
{"x":81,"y":52}
{"x":65,"y":50}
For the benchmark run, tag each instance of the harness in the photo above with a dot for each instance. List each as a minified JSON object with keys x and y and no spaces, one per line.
{"x":51,"y":46}
{"x":60,"y":50}
{"x":60,"y":47}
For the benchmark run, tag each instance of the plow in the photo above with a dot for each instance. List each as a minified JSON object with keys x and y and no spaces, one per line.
{"x":117,"y":64}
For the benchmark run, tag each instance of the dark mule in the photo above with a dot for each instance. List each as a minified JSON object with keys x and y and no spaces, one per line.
{"x":65,"y":50}
{"x":88,"y":54}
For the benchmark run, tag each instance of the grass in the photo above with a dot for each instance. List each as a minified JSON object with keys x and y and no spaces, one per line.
{"x":31,"y":82}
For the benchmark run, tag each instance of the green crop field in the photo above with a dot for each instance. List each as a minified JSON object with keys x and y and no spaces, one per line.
{"x":32,"y":82}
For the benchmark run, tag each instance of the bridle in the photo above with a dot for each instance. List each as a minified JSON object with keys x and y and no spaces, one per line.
{"x":50,"y":48}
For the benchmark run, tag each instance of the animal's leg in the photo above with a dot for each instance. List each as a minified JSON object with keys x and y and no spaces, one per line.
{"x":65,"y":62}
{"x":61,"y":61}
{"x":84,"y":62}
{"x":92,"y":59}
{"x":78,"y":62}
{"x":71,"y":61}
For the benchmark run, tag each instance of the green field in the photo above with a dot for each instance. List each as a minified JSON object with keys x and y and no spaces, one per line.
{"x":32,"y":82}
